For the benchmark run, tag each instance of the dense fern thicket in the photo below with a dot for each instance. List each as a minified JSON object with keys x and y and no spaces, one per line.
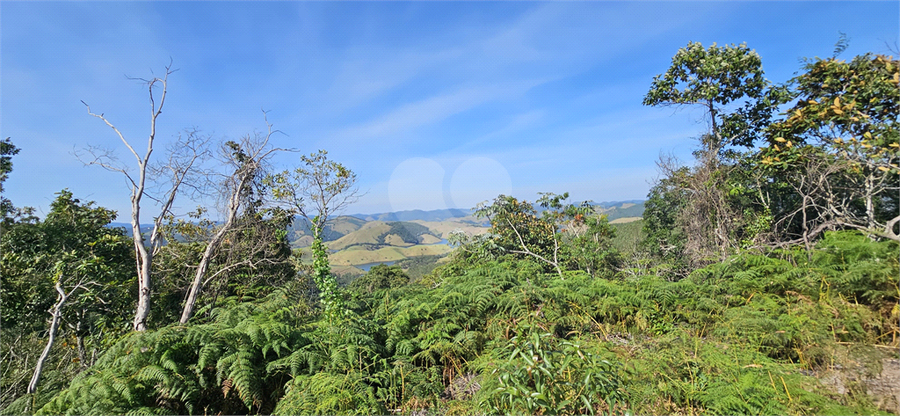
{"x":747,"y":335}
{"x":233,"y":364}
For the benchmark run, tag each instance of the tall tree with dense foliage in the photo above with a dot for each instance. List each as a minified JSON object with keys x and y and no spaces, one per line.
{"x":7,"y":150}
{"x":716,"y":79}
{"x":73,"y":256}
{"x":837,"y":149}
{"x":712,"y":78}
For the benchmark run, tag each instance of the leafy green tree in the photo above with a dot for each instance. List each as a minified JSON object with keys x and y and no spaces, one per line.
{"x":714,"y":78}
{"x":380,"y":277}
{"x":589,"y":245}
{"x":662,"y":223}
{"x":316,"y":190}
{"x":516,"y":228}
{"x":74,"y":257}
{"x":564,"y":236}
{"x":7,"y":150}
{"x":837,"y":149}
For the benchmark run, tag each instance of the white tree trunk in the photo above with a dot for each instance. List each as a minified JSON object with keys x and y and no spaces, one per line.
{"x":234,"y":205}
{"x":197,"y":284}
{"x":143,"y":257}
{"x":56,"y":313}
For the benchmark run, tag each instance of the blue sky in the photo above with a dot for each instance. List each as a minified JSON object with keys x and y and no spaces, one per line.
{"x":434,"y":105}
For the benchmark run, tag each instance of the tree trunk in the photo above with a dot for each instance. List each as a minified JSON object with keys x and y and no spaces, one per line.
{"x":144,"y":260}
{"x":188,"y":311}
{"x":82,"y":355}
{"x":196,"y":284}
{"x":234,"y":206}
{"x":56,"y":312}
{"x":714,"y":145}
{"x":79,"y":337}
{"x":870,"y":206}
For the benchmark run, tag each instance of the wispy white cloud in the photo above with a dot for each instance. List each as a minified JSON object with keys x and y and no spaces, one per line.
{"x":518,"y":123}
{"x":551,"y":91}
{"x":408,"y":117}
{"x":362,"y":75}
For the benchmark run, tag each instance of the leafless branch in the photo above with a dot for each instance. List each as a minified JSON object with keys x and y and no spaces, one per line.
{"x":143,"y":256}
{"x":525,"y":249}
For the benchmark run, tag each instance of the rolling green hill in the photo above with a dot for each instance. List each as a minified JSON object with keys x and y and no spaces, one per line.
{"x":621,"y":210}
{"x":355,"y":241}
{"x":381,"y":234}
{"x":300,"y":235}
{"x":360,"y":256}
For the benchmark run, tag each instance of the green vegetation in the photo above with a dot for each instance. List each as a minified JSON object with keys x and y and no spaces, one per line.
{"x":421,"y":266}
{"x":361,"y":255}
{"x":408,"y":232}
{"x":742,"y":290}
{"x":629,"y":236}
{"x":7,"y":150}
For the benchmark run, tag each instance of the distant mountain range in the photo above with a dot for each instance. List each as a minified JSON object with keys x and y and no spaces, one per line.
{"x":299,"y":232}
{"x":360,"y":240}
{"x":417,"y":214}
{"x":127,"y":226}
{"x":613,"y":209}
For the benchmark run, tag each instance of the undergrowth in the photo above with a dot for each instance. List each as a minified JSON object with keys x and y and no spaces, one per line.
{"x":744,"y":336}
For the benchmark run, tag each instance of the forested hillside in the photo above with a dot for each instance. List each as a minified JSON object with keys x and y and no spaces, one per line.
{"x":762,"y":278}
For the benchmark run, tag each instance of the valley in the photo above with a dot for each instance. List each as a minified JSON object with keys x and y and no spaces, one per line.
{"x":357,"y":242}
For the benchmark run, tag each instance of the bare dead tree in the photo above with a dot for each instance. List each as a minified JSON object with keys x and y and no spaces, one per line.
{"x":247,"y":161}
{"x":811,"y":185}
{"x":190,"y":150}
{"x":707,"y":218}
{"x":56,"y":315}
{"x":828,"y":190}
{"x":525,"y":250}
{"x":870,"y":176}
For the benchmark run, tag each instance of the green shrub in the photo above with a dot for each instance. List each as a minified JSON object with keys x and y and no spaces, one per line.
{"x":538,"y":373}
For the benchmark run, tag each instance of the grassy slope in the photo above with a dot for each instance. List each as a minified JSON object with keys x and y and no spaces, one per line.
{"x":345,"y":225}
{"x":628,"y":235}
{"x":625,"y":220}
{"x":359,"y":256}
{"x":626,"y":210}
{"x":444,"y":228}
{"x":367,"y":234}
{"x":372,"y":243}
{"x":429,"y":239}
